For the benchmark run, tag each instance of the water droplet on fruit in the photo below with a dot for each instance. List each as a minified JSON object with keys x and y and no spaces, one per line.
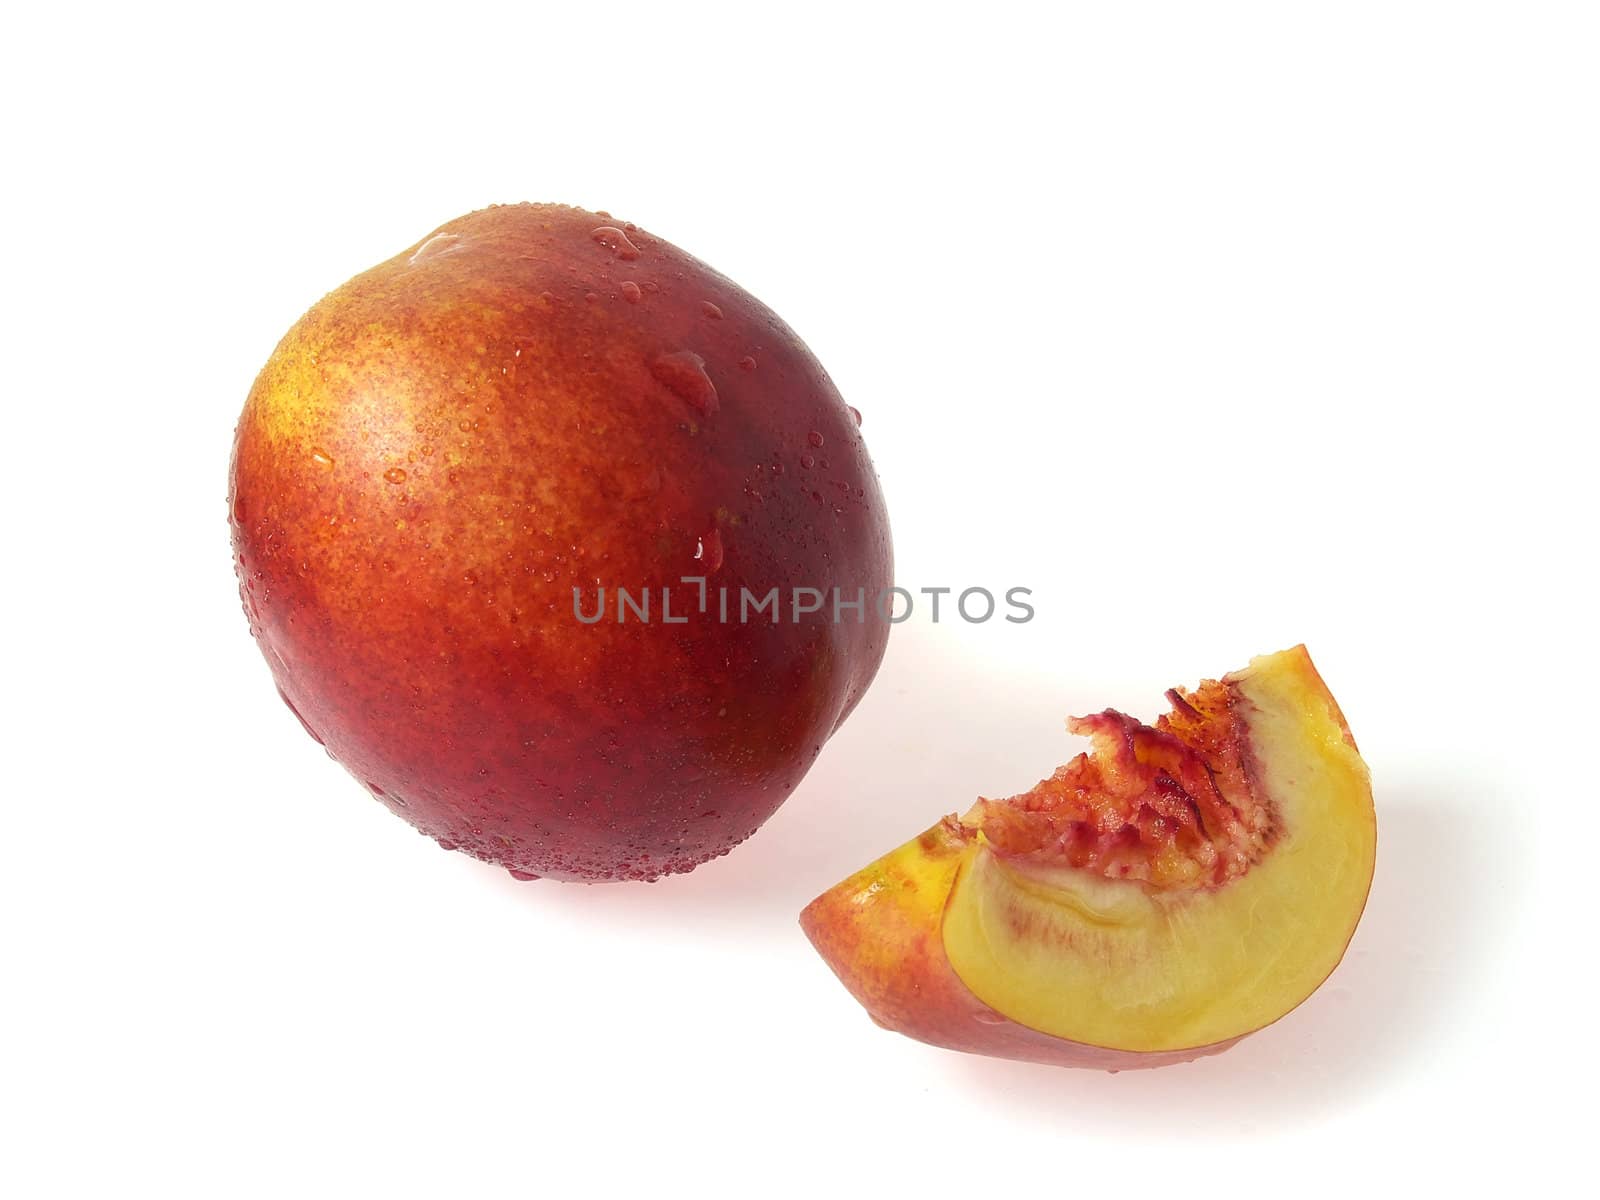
{"x":631,"y":292}
{"x":439,"y":243}
{"x":807,"y":461}
{"x":711,"y":310}
{"x":521,"y":876}
{"x":321,"y":457}
{"x":395,"y":475}
{"x":303,"y":723}
{"x":616,"y":241}
{"x":445,"y":845}
{"x":986,"y":1016}
{"x":708,"y":551}
{"x":814,"y":438}
{"x":684,"y":373}
{"x":747,"y":363}
{"x":854,"y":412}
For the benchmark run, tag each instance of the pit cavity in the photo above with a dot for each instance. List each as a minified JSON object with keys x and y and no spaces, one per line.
{"x":1173,"y":806}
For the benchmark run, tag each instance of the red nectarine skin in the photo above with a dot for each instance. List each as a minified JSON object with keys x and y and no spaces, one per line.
{"x":531,"y":400}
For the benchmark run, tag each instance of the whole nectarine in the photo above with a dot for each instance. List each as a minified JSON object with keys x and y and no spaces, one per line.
{"x":466,"y":492}
{"x":1154,"y":901}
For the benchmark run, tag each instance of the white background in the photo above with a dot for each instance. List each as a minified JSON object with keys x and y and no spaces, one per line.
{"x":1222,"y":327}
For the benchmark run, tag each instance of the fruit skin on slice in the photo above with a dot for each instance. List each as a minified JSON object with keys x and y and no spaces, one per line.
{"x":953,"y":941}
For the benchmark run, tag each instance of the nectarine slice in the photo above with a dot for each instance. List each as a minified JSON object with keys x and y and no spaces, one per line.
{"x":1158,"y":898}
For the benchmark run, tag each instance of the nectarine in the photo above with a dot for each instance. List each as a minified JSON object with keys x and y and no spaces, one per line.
{"x":452,"y":461}
{"x":1153,"y":901}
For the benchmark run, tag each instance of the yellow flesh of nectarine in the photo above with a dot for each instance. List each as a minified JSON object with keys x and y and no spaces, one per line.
{"x":957,"y":941}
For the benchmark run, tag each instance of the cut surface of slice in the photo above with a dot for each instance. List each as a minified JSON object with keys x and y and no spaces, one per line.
{"x":1179,"y":886}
